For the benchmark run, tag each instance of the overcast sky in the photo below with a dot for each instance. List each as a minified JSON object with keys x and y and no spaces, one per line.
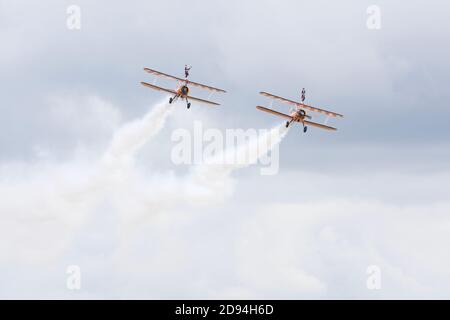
{"x":373,"y":193}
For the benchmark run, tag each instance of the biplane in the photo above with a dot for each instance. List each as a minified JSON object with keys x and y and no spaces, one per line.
{"x":182,"y":90}
{"x":298,"y":112}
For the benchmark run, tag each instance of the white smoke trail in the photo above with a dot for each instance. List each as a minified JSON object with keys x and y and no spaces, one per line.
{"x":45,"y":201}
{"x":212,"y":178}
{"x":134,"y":195}
{"x":133,"y":135}
{"x":116,"y":164}
{"x":60,"y":200}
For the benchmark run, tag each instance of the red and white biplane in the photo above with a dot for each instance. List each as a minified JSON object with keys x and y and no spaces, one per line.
{"x":182,"y":90}
{"x":298,"y":112}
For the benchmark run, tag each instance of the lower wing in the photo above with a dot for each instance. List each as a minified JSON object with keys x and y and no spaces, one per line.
{"x":203,"y":101}
{"x":318,"y":125}
{"x":314,"y":124}
{"x":152,"y":86}
{"x":274,"y":112}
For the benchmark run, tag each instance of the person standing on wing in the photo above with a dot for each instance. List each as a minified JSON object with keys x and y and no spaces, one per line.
{"x":186,"y":70}
{"x":303,"y":94}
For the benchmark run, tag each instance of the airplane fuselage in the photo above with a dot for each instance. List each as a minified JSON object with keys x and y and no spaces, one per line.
{"x":183,"y":91}
{"x":299,"y":115}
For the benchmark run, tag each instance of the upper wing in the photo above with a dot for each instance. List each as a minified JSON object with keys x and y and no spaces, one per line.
{"x":274,"y":112}
{"x":203,"y":101}
{"x":164,"y":75}
{"x":318,"y":125}
{"x":328,"y":113}
{"x":205,"y":87}
{"x":152,"y":86}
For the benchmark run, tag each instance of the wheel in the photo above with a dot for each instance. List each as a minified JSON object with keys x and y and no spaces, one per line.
{"x":170,"y":100}
{"x":188,"y":105}
{"x":305,"y":129}
{"x":287,"y":124}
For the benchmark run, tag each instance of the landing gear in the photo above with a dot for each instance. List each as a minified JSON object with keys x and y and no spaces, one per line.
{"x":188,"y":104}
{"x":287,"y":124}
{"x":170,"y":100}
{"x":305,"y":128}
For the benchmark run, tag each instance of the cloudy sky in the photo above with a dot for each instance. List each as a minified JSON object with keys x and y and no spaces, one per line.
{"x":86,"y":176}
